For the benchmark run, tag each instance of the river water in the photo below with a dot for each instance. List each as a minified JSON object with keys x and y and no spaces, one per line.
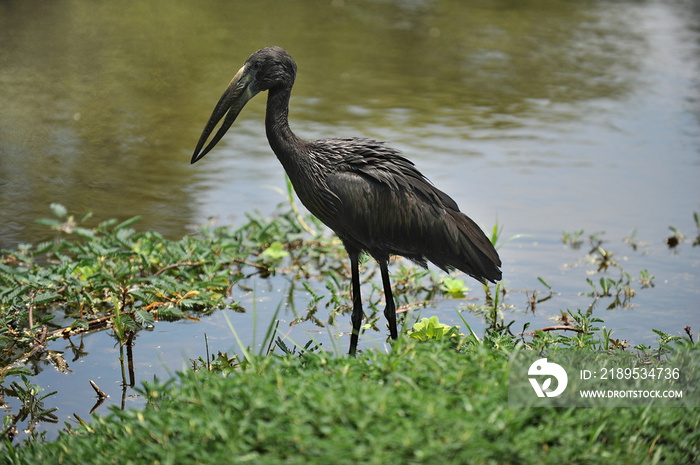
{"x":544,"y":116}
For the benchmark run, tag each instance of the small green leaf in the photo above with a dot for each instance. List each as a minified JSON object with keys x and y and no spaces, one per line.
{"x":127,"y":223}
{"x":44,"y":247}
{"x":80,"y":324}
{"x":431,"y":328}
{"x":46,"y":298}
{"x":275,"y":252}
{"x":58,"y":210}
{"x":454,"y":287}
{"x":144,"y":318}
{"x":84,"y":232}
{"x":48,"y":222}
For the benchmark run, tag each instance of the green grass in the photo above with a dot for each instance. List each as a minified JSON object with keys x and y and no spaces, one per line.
{"x":421,"y":403}
{"x":438,"y":397}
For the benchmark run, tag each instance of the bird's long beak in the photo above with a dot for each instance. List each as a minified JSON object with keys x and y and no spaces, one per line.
{"x":234,"y":98}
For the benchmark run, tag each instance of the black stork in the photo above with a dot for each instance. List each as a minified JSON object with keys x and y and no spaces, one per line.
{"x":373,"y":198}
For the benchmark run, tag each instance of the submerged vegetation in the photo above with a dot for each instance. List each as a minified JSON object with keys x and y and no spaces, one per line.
{"x":109,"y":276}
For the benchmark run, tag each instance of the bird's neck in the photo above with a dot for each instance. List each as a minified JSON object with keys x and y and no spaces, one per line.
{"x":280,"y":136}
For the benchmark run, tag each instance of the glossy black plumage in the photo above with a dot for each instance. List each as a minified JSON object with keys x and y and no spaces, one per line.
{"x":374,"y":199}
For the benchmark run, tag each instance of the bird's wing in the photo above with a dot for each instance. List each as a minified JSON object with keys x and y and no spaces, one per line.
{"x":386,"y":206}
{"x":375,"y":160}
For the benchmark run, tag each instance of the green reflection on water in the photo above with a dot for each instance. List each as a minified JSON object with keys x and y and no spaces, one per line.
{"x":103,"y":101}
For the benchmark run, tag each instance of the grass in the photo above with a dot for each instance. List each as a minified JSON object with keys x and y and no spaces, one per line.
{"x":421,"y":403}
{"x":440,"y":396}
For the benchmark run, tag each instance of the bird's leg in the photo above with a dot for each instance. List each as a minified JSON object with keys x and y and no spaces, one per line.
{"x":390,"y":310}
{"x":356,"y":301}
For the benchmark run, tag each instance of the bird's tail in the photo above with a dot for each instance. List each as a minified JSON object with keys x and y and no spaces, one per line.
{"x":470,"y":250}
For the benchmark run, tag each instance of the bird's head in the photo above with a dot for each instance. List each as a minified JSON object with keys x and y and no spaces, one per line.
{"x":266,"y":69}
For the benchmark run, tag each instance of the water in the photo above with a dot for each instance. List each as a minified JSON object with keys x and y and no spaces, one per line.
{"x":545,"y":116}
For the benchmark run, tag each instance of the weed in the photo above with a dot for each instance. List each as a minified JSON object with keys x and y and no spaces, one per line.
{"x":534,"y":299}
{"x":109,"y":275}
{"x":430,"y":328}
{"x":573,"y":239}
{"x":33,"y":410}
{"x":675,"y":238}
{"x":454,"y":287}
